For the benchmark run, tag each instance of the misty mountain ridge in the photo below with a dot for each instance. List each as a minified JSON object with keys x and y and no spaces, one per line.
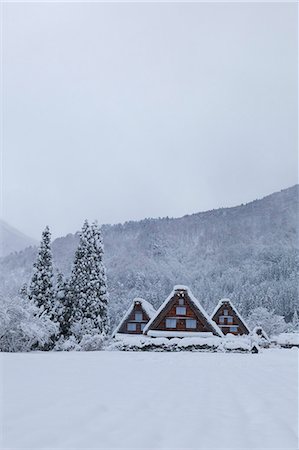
{"x":13,"y":240}
{"x":248,"y":253}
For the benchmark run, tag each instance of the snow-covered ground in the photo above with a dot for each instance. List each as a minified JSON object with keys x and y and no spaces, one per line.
{"x":150,"y":400}
{"x":287,"y":339}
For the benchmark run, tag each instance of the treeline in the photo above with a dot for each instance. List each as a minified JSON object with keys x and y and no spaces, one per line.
{"x":57,"y":313}
{"x":248,"y":253}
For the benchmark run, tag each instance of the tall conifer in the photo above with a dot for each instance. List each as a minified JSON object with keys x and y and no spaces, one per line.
{"x":41,"y":290}
{"x":87,"y":295}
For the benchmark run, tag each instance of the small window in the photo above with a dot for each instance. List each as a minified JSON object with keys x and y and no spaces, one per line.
{"x":170,"y":323}
{"x":181,"y":310}
{"x":225,"y":312}
{"x":190,"y":323}
{"x":131,"y":326}
{"x":221,"y":319}
{"x":233,"y":329}
{"x":138,"y":317}
{"x":142,"y":326}
{"x":181,"y":301}
{"x":229,"y":319}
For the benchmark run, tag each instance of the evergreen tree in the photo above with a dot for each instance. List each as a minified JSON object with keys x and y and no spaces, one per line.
{"x":60,"y":303}
{"x":41,"y":290}
{"x":87,"y":297}
{"x":295,"y":321}
{"x":24,"y":292}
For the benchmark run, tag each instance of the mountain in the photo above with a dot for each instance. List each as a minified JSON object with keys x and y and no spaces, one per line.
{"x":12,"y":240}
{"x":248,"y":253}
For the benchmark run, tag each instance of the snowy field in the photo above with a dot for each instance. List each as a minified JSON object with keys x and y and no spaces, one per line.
{"x":150,"y":400}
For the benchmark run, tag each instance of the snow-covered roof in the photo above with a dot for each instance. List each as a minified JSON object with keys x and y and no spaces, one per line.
{"x":193,"y":300}
{"x":287,"y":339}
{"x":264,"y":335}
{"x":180,"y":287}
{"x":227,"y":300}
{"x":145,"y":305}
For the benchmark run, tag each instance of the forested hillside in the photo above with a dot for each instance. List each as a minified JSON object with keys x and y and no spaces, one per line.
{"x":248,"y":253}
{"x":12,"y":240}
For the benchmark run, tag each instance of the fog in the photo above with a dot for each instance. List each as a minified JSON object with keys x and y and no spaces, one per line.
{"x":123,"y":111}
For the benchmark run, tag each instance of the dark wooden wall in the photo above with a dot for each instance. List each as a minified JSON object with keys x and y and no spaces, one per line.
{"x":131,"y":319}
{"x":191,"y":313}
{"x":225,"y":327}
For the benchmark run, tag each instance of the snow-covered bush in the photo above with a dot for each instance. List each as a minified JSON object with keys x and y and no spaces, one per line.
{"x":22,"y":327}
{"x":88,"y":343}
{"x":91,"y":342}
{"x":287,"y":340}
{"x":268,"y":320}
{"x":139,"y":343}
{"x":67,"y":345}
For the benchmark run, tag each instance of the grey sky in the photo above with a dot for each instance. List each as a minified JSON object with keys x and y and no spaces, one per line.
{"x":125,"y":111}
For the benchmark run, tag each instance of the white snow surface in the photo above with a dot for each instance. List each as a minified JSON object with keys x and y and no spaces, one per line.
{"x":148,"y":400}
{"x":204,"y":340}
{"x":143,"y":341}
{"x":287,"y":339}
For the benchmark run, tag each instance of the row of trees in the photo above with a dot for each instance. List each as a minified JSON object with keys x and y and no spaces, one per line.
{"x":272,"y":323}
{"x":57,"y":313}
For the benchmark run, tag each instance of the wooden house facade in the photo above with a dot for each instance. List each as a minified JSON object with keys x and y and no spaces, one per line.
{"x":181,"y":315}
{"x":228,"y":319}
{"x":135,"y":319}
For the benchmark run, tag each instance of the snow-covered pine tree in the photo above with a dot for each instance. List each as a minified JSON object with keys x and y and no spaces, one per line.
{"x":60,"y":304}
{"x":24,"y":291}
{"x":41,"y":289}
{"x":88,"y":290}
{"x":295,"y":321}
{"x":65,"y":315}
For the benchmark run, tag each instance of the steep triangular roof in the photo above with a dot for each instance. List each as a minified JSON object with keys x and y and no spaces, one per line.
{"x":227,"y":301}
{"x":260,"y":333}
{"x":212,"y":326}
{"x":145,"y":305}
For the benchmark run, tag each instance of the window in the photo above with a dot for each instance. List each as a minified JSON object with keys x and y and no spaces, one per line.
{"x":131,"y":326}
{"x":233,"y":329}
{"x":225,"y":312}
{"x":181,"y":310}
{"x":221,"y":319}
{"x":190,"y":323}
{"x":181,"y":301}
{"x":142,"y":326}
{"x":138,"y":317}
{"x":170,"y":323}
{"x":229,"y":319}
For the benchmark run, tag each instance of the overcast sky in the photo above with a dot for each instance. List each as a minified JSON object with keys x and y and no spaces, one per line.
{"x":124,"y":111}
